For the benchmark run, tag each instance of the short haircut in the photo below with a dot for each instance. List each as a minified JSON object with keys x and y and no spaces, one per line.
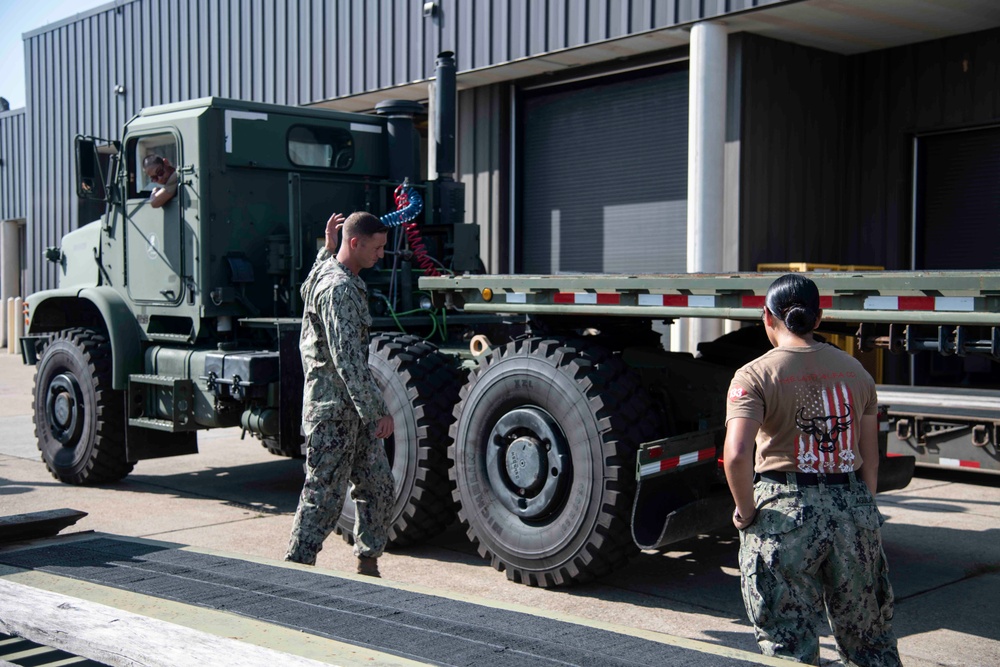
{"x":362,"y":223}
{"x":151,"y":160}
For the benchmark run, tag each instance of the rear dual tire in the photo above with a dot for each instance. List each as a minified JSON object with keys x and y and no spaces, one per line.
{"x":420,"y":385}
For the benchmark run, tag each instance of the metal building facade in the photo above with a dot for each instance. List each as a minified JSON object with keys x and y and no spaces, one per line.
{"x":12,"y":162}
{"x":12,"y":211}
{"x":92,"y":72}
{"x":825,"y":104}
{"x":829,"y":150}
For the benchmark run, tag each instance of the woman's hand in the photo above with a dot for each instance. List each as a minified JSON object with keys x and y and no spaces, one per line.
{"x":743,"y":523}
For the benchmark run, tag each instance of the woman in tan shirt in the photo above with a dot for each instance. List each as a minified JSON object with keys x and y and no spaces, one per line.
{"x":801,"y":459}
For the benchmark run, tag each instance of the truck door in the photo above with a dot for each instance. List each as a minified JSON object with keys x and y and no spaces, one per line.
{"x":155,"y":238}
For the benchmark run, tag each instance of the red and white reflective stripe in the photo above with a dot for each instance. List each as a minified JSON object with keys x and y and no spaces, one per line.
{"x":587,"y":298}
{"x":951,"y":303}
{"x":677,"y":461}
{"x":958,"y":463}
{"x":677,"y":300}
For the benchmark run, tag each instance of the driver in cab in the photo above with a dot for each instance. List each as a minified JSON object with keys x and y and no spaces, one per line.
{"x":164,"y":175}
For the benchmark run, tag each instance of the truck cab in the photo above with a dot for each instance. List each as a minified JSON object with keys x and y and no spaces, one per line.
{"x":194,"y":304}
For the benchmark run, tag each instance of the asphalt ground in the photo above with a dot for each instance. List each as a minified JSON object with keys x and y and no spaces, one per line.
{"x":942,"y":539}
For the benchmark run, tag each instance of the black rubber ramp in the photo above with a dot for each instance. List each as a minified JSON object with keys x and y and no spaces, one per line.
{"x":427,"y":628}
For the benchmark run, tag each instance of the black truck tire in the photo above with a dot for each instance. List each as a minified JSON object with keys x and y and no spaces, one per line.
{"x":543,"y":455}
{"x":79,"y":419}
{"x":420,"y":385}
{"x":273,"y":445}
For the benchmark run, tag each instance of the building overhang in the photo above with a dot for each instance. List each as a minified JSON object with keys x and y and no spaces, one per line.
{"x":846,"y":27}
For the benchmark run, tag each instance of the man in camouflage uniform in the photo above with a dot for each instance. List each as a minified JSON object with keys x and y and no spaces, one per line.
{"x":801,"y":459}
{"x":343,"y":412}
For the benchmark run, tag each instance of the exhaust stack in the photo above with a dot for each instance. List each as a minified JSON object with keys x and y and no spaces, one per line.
{"x":444,"y":116}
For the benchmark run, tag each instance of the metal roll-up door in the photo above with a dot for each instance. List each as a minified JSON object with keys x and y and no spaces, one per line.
{"x":959,"y":201}
{"x":604,"y":169}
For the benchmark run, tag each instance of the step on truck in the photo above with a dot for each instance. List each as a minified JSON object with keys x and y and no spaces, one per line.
{"x":543,"y":411}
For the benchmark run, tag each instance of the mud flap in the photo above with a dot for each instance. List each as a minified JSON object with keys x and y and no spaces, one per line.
{"x":894,"y":470}
{"x":680,"y":490}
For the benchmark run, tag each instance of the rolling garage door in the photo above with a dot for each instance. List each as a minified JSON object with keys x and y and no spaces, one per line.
{"x":604,"y":176}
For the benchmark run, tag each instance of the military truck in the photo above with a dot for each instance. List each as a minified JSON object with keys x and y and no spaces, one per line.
{"x":176,"y":319}
{"x":544,"y":410}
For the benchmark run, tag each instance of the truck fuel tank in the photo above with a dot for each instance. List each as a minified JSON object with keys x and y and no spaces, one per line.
{"x":240,"y":375}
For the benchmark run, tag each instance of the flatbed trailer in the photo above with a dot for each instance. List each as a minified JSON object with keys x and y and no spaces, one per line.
{"x":658,"y":412}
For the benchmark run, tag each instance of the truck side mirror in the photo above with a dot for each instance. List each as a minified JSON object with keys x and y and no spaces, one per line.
{"x":90,"y":181}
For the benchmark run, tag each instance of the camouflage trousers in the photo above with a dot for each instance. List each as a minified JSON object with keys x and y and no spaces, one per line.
{"x":338,"y":452}
{"x":815,"y":552}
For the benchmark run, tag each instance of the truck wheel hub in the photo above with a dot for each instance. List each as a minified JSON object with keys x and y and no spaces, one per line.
{"x":528,"y":462}
{"x":64,"y":410}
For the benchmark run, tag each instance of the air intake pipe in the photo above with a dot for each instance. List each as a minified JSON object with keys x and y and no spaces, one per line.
{"x":404,"y":143}
{"x":444,"y":116}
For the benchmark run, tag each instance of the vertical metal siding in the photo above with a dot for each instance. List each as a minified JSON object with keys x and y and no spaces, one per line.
{"x":482,"y":167}
{"x":793,"y":152}
{"x":931,"y":86}
{"x":12,"y":164}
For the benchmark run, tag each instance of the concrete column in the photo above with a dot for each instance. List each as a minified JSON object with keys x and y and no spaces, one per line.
{"x":18,"y":326}
{"x":10,"y":260}
{"x":706,"y":163}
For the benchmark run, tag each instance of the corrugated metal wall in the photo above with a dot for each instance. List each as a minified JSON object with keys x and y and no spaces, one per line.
{"x":795,"y":116}
{"x":827,"y":142}
{"x":483,"y":159}
{"x":488,"y":32}
{"x":928,"y":87}
{"x":288,"y":52}
{"x":12,"y":165}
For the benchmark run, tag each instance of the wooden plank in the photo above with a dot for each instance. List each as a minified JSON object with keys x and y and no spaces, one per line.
{"x":122,"y":639}
{"x":32,"y":525}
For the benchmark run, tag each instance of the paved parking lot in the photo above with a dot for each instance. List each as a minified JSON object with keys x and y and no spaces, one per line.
{"x":942,"y":540}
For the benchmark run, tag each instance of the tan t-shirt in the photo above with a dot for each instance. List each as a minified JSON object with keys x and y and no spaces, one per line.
{"x":809,"y":402}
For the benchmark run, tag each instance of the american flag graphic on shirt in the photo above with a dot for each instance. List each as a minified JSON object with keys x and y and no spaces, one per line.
{"x":825,"y":418}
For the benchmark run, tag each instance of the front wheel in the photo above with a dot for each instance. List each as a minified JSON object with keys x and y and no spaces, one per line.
{"x":544,"y":449}
{"x":79,"y":419}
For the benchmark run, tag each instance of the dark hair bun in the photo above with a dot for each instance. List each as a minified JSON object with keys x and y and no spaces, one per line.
{"x":800,"y":320}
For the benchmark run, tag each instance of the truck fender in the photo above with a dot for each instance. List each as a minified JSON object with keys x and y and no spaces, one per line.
{"x":101,"y":307}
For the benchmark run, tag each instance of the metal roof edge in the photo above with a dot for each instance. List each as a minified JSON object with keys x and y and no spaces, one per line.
{"x":114,"y":4}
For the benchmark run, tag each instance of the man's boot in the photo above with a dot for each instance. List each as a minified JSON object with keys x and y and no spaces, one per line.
{"x":368,"y":566}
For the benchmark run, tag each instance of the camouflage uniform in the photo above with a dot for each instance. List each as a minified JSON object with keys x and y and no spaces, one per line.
{"x":812,"y":546}
{"x":340,"y":405}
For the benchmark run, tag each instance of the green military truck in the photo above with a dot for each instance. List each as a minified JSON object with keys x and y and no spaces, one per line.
{"x":543,"y":410}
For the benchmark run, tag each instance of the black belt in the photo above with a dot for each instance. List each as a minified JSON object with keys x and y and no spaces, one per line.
{"x":805,"y":478}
